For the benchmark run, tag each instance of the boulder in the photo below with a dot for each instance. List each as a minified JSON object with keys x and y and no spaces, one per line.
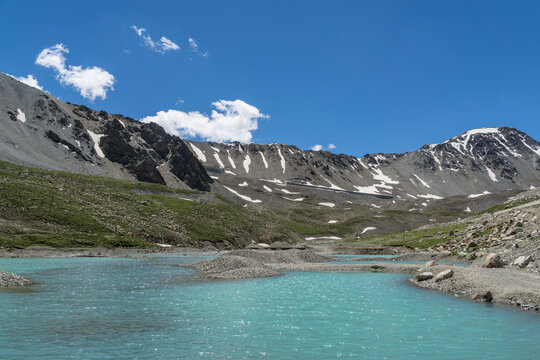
{"x":484,"y":296}
{"x":446,"y":274}
{"x":471,"y":256}
{"x":426,"y":275}
{"x":522,"y":261}
{"x":493,"y":261}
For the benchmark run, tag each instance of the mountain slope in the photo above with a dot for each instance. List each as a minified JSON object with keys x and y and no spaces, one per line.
{"x":39,"y":130}
{"x":470,"y":165}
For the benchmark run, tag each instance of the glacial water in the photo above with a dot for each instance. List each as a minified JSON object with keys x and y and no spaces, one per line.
{"x":107,"y":308}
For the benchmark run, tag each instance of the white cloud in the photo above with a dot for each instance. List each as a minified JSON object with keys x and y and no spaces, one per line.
{"x":331,"y":146}
{"x":29,"y":80}
{"x":195,"y":47}
{"x":91,"y":82}
{"x":230,"y":121}
{"x":163,"y":45}
{"x":317,"y":147}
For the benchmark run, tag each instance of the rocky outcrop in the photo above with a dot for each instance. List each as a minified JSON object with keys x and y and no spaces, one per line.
{"x":44,"y":132}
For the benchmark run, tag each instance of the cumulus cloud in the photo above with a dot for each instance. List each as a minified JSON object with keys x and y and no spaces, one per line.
{"x":29,"y":80}
{"x":91,"y":82}
{"x":195,"y":47}
{"x":229,"y":121}
{"x":161,"y":46}
{"x":331,"y":146}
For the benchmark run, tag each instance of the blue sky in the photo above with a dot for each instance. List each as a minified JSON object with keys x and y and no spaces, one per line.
{"x":367,"y":76}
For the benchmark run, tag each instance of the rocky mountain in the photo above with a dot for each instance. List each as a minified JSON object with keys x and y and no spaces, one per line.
{"x":471,"y":165}
{"x":39,"y":130}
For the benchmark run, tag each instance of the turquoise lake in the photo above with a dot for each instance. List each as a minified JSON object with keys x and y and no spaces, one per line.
{"x":109,"y":308}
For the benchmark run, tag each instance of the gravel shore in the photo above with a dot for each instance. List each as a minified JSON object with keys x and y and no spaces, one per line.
{"x":8,"y":279}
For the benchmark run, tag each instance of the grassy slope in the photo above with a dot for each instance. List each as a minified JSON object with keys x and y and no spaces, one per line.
{"x":419,"y":238}
{"x":58,"y":209}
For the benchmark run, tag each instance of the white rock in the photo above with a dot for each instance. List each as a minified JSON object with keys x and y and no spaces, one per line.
{"x":446,"y":274}
{"x":522,"y":261}
{"x":426,"y":275}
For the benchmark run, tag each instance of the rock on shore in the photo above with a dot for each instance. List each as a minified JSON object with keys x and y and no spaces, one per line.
{"x":9,"y":279}
{"x":245,"y":264}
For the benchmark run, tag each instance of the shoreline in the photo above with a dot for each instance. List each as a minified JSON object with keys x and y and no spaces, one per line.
{"x":47,"y":252}
{"x":509,"y":286}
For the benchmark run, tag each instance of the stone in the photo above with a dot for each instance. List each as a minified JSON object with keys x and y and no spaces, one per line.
{"x":486,"y":296}
{"x":426,"y":275}
{"x":430,"y":263}
{"x":443,"y":275}
{"x":493,"y":261}
{"x":471,"y":256}
{"x":522,"y":261}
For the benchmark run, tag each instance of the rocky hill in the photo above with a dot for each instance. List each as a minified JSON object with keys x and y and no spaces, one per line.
{"x":39,"y":130}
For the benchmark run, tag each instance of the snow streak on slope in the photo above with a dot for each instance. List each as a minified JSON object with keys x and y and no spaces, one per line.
{"x":198,"y":152}
{"x":264,"y":160}
{"x":243,"y":197}
{"x":95,"y":139}
{"x":221,"y":165}
{"x":282,"y":159}
{"x":246,"y":163}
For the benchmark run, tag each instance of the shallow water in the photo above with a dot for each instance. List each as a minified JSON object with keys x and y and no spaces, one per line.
{"x":97,"y":308}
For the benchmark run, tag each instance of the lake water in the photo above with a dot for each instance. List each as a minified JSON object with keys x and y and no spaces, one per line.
{"x":106,"y":308}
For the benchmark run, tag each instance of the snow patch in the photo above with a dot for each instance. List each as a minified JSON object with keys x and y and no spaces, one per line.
{"x":383,"y":178}
{"x":95,"y":138}
{"x":267,"y":188}
{"x":198,"y":152}
{"x":492,"y":175}
{"x":244,"y":184}
{"x":323,"y":238}
{"x":328,"y":204}
{"x":221,"y":165}
{"x":282,"y":160}
{"x":297,"y":199}
{"x":21,"y":116}
{"x":264,"y":159}
{"x":243,"y":197}
{"x":121,"y":122}
{"x":431,"y":196}
{"x":376,"y":206}
{"x":468,"y":209}
{"x":369,"y":228}
{"x":332,"y":221}
{"x":229,"y":172}
{"x":246,"y":163}
{"x":214,"y":177}
{"x":289,"y":192}
{"x":231,"y":161}
{"x":472,"y":196}
{"x":215,"y":149}
{"x":421,"y":181}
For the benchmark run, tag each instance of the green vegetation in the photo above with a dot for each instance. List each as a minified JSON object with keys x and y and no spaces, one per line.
{"x":504,"y":206}
{"x":419,"y":238}
{"x":58,"y":209}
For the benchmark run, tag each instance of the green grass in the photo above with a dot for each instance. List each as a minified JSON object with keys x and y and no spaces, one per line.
{"x":504,"y":206}
{"x":58,"y":209}
{"x":420,"y":238}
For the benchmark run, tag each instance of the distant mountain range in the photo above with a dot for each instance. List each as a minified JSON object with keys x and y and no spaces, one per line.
{"x":39,"y":130}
